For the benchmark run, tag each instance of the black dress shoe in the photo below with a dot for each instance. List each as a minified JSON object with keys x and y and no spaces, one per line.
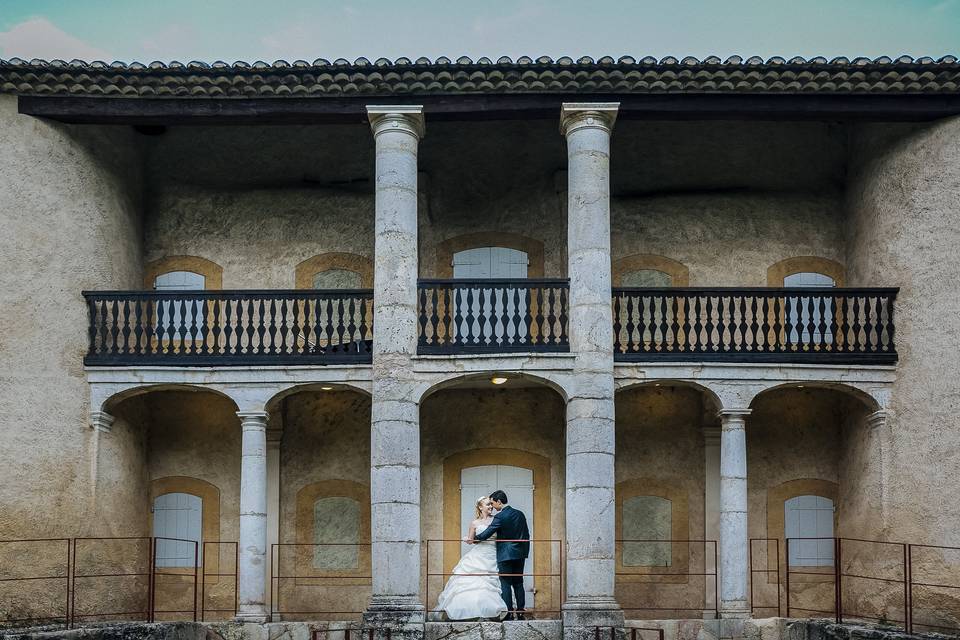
{"x":521,"y":616}
{"x":509,"y":616}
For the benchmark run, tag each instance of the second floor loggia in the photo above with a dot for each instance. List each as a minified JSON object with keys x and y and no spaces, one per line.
{"x":468,"y":314}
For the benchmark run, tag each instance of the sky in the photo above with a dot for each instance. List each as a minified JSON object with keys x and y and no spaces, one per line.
{"x":210,"y":30}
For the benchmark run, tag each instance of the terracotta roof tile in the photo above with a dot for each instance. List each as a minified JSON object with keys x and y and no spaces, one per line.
{"x":402,"y":77}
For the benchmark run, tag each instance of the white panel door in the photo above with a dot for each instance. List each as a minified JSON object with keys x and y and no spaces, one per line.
{"x":179,"y":516}
{"x":809,"y":517}
{"x":180,"y":281}
{"x":800,"y":313}
{"x":491,"y":262}
{"x":517,"y":483}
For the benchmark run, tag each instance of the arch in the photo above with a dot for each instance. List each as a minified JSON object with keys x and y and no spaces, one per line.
{"x":211,"y":271}
{"x":209,"y":494}
{"x":446,"y":248}
{"x":679,"y":525}
{"x":798,"y":264}
{"x":339,"y":385}
{"x":426,"y":390}
{"x":678,"y":272}
{"x":306,"y":271}
{"x":869,"y":401}
{"x":306,"y":499}
{"x":708,"y":393}
{"x":540,"y":465}
{"x":114,"y":400}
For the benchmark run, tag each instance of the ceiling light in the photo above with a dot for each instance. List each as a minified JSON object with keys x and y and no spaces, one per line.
{"x":326,"y":388}
{"x":799,"y":386}
{"x":498,"y":380}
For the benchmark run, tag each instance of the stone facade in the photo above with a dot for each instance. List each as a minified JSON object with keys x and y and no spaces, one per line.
{"x":724,"y":443}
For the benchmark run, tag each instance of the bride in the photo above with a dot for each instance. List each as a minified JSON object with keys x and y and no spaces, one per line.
{"x":473,"y":591}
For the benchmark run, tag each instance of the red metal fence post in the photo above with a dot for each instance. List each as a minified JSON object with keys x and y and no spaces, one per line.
{"x":838,"y":573}
{"x":787,"y":575}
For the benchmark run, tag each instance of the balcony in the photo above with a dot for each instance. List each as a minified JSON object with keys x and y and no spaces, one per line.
{"x":789,"y":325}
{"x":319,"y":327}
{"x":458,"y":316}
{"x":234,"y":328}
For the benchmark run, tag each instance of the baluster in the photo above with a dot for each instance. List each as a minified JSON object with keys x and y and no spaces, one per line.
{"x":318,"y":347}
{"x":352,"y":325}
{"x":637,"y":331}
{"x":539,"y":317}
{"x":252,"y":330}
{"x":722,"y":342}
{"x":811,"y":326}
{"x":306,"y":325}
{"x":458,"y":316}
{"x":104,"y":330}
{"x":517,"y":319}
{"x":678,"y":341}
{"x":341,"y":328}
{"x":564,"y":293}
{"x":138,"y":330}
{"x":149,"y":327}
{"x":125,"y":332}
{"x":688,"y":336}
{"x":493,"y":316}
{"x":295,"y":304}
{"x":364,"y":325}
{"x":447,"y":334}
{"x":709,"y":325}
{"x":505,"y":312}
{"x":284,"y":326}
{"x":696,"y":344}
{"x":765,"y":325}
{"x":876,"y":326}
{"x":777,"y":326}
{"x":328,"y":314}
{"x":552,"y":317}
{"x":228,"y":330}
{"x":216,"y":331}
{"x":92,"y":326}
{"x":470,"y":317}
{"x":204,"y":325}
{"x":482,"y":337}
{"x":791,"y":312}
{"x":844,"y":338}
{"x":115,"y":327}
{"x":422,"y":314}
{"x":890,"y":345}
{"x":434,"y":318}
{"x":754,"y":324}
{"x":664,"y":326}
{"x":742,"y":324}
{"x":271,"y":347}
{"x":194,"y":330}
{"x":527,"y":317}
{"x":822,"y":323}
{"x":617,"y":348}
{"x":834,"y":325}
{"x":242,"y":327}
{"x":176,"y":337}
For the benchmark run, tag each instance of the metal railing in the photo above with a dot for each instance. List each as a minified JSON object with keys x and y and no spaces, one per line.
{"x":492,"y":315}
{"x":673,"y":575}
{"x":305,"y":576}
{"x":71,"y":581}
{"x":757,"y":324}
{"x":760,"y":578}
{"x":546,"y":559}
{"x":199,"y":328}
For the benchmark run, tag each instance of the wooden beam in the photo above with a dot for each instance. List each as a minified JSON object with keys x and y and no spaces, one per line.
{"x":323,"y":110}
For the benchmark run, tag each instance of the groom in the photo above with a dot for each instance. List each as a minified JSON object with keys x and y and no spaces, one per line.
{"x":509,"y":524}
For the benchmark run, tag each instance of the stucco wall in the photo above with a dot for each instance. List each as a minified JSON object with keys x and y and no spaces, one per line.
{"x":903,"y":205}
{"x":70,"y":201}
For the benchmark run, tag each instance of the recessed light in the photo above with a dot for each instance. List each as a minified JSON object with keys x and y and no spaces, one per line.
{"x":657,"y":384}
{"x":799,"y":386}
{"x":498,"y":380}
{"x":326,"y":388}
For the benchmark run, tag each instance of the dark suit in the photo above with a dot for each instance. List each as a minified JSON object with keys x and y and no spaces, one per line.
{"x":510,"y":524}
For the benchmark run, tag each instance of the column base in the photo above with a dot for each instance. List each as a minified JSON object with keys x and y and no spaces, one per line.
{"x":253,"y":617}
{"x":394,"y":611}
{"x":582,"y":616}
{"x":735,"y":609}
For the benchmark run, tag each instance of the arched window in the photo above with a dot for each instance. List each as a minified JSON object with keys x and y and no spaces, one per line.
{"x":647,"y":518}
{"x":336,"y":529}
{"x":490,"y":262}
{"x":171,"y":312}
{"x":804,"y":311}
{"x":808,"y":523}
{"x":178,"y":517}
{"x":337,"y":279}
{"x":646,"y":278}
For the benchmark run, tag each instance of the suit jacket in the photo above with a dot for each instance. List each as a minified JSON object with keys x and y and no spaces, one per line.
{"x":509,"y":524}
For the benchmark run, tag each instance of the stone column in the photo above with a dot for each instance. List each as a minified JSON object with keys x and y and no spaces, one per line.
{"x":395,"y":417}
{"x":590,"y":505}
{"x":734,"y":572}
{"x":273,"y":437}
{"x":711,"y":504}
{"x":253,"y":517}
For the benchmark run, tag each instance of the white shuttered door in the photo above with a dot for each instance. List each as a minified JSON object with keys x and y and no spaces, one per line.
{"x":809,"y":517}
{"x":180,"y":281}
{"x":517,"y":483}
{"x":491,"y":262}
{"x":180,"y":516}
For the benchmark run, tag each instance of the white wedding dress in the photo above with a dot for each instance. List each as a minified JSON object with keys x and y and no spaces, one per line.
{"x":466,"y":596}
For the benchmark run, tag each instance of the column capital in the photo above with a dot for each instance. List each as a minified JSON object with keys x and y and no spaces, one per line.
{"x":398,"y":117}
{"x":101,"y":421}
{"x":588,"y":115}
{"x":879,"y":418}
{"x":734,"y":414}
{"x":256,"y":417}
